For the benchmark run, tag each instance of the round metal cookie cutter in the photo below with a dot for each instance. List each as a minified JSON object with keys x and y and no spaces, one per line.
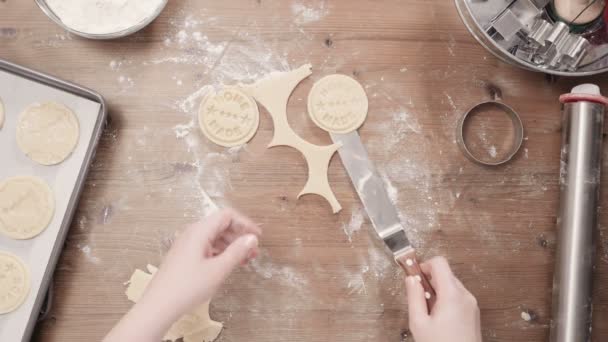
{"x":518,"y":128}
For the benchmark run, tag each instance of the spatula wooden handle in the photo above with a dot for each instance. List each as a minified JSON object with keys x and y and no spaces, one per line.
{"x":409,"y":262}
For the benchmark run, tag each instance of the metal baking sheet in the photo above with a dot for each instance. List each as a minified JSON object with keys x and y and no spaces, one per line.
{"x":20,"y":87}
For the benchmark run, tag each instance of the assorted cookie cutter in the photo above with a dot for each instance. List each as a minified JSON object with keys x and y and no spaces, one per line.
{"x":518,"y":129}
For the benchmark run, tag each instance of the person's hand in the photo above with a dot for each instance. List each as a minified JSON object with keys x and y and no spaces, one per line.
{"x":199,"y":261}
{"x":455,"y":315}
{"x":201,"y":258}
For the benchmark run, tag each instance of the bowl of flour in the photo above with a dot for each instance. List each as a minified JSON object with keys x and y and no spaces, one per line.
{"x":102,"y":19}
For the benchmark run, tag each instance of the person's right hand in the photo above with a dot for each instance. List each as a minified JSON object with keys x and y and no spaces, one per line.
{"x":455,"y":315}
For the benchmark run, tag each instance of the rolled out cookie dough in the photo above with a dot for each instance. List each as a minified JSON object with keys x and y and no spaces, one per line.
{"x":1,"y":114}
{"x":196,"y":326}
{"x":47,"y":132}
{"x":229,"y":117}
{"x":273,"y":92}
{"x":14,"y":282}
{"x":26,"y":207}
{"x":337,"y":104}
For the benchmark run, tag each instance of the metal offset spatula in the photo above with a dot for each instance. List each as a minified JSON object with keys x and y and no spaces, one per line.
{"x":380,"y":209}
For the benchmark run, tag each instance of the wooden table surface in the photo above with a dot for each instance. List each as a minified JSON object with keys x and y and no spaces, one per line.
{"x":321,"y":277}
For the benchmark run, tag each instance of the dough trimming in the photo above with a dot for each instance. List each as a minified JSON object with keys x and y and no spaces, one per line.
{"x":196,"y":326}
{"x":273,"y":93}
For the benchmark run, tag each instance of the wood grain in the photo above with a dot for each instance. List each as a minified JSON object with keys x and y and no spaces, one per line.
{"x":421,"y":70}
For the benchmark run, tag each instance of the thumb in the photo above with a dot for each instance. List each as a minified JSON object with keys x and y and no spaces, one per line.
{"x":237,"y":252}
{"x":416,"y":302}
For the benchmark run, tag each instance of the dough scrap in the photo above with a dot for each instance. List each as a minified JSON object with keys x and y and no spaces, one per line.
{"x":338,"y":104}
{"x":27,"y":206}
{"x":194,"y":327}
{"x":14,"y":282}
{"x":47,"y":133}
{"x":1,"y":114}
{"x":229,"y":117}
{"x":273,"y":93}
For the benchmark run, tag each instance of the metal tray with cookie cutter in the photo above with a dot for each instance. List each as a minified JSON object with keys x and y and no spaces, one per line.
{"x":534,"y":35}
{"x":518,"y":131}
{"x":20,"y":87}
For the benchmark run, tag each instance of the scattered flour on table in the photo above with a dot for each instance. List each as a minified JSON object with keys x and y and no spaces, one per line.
{"x":212,"y":169}
{"x":208,"y":184}
{"x":190,"y":103}
{"x":56,"y":40}
{"x":103,"y":16}
{"x":288,"y":276}
{"x":182,"y":130}
{"x":485,"y":142}
{"x":82,"y":223}
{"x":106,"y":214}
{"x":88,"y":253}
{"x":492,"y":151}
{"x":240,"y":59}
{"x":177,"y":80}
{"x":376,"y":265}
{"x":355,"y":223}
{"x":211,"y":176}
{"x":115,"y":65}
{"x":380,"y":262}
{"x":187,"y":44}
{"x":405,"y":167}
{"x":209,"y":180}
{"x":125,"y":82}
{"x":309,"y":11}
{"x":243,"y":56}
{"x":403,"y":121}
{"x":356,"y":284}
{"x":450,"y":101}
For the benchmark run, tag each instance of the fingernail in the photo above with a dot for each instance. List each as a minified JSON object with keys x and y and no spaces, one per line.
{"x":251,"y":241}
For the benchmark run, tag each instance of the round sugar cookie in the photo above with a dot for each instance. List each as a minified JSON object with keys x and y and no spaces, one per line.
{"x":337,"y":104}
{"x":27,"y":206}
{"x":14,"y":282}
{"x":229,"y":117}
{"x":47,"y":132}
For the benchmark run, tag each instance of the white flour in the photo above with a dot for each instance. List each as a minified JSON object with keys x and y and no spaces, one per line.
{"x":356,"y":221}
{"x":88,"y":253}
{"x":103,"y":16}
{"x":308,"y":13}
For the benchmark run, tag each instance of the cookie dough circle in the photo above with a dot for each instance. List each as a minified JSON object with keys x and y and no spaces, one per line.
{"x":47,"y":132}
{"x":229,"y":117}
{"x":338,"y":104}
{"x":1,"y":114}
{"x":26,"y":207}
{"x":14,"y":282}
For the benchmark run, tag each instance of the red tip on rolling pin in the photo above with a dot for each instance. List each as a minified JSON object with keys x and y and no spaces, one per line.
{"x":584,"y":92}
